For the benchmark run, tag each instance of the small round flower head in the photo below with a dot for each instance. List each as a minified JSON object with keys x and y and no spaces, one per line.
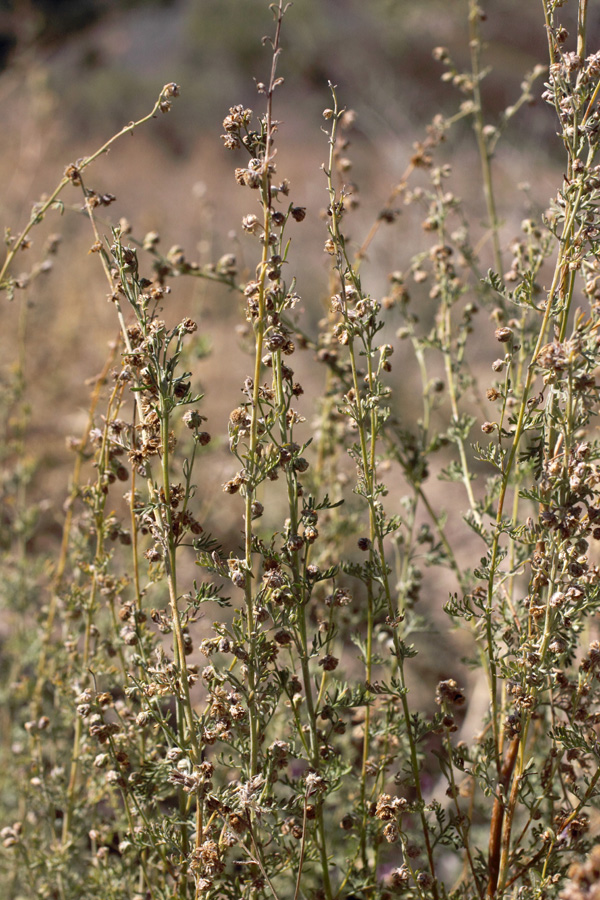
{"x":169,"y":91}
{"x":424,"y":880}
{"x":399,"y":878}
{"x":193,"y":419}
{"x":448,"y":692}
{"x":504,"y":334}
{"x":329,"y":663}
{"x":387,"y":807}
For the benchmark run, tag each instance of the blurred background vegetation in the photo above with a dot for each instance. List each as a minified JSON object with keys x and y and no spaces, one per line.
{"x":72,"y":72}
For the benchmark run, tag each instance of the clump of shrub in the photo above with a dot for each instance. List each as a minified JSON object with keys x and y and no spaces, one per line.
{"x":288,"y":750}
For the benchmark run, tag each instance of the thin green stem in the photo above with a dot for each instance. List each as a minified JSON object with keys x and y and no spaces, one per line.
{"x":41,"y":209}
{"x":479,"y":125}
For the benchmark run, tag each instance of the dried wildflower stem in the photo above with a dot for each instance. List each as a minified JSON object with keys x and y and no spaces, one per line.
{"x":248,"y":529}
{"x":563,"y":282}
{"x":185,"y":713}
{"x":302,"y":849}
{"x":127,"y":804}
{"x":135,"y":560}
{"x":253,"y":461}
{"x":497,"y":819}
{"x":171,"y":572}
{"x":19,"y":382}
{"x":394,"y":442}
{"x":581,"y":28}
{"x":504,"y":486}
{"x":518,"y":379}
{"x":97,"y":569}
{"x":41,"y":209}
{"x":368,"y":461}
{"x":462,"y":827}
{"x":163,"y":516}
{"x":517,"y":757}
{"x":257,"y":860}
{"x":300,"y":578}
{"x":124,"y":335}
{"x":321,"y":834}
{"x":591,"y":103}
{"x":390,"y":433}
{"x":509,"y":813}
{"x":61,"y":564}
{"x":114,"y":295}
{"x":165,"y":521}
{"x":548,"y":17}
{"x":479,"y":124}
{"x":368,"y":428}
{"x":450,"y":364}
{"x":259,"y":333}
{"x":398,"y":189}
